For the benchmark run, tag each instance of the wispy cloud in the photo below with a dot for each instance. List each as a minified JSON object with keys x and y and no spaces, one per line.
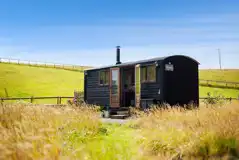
{"x":206,"y":54}
{"x":198,"y":37}
{"x":202,"y":19}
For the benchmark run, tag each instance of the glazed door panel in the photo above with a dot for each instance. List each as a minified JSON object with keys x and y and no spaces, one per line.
{"x":115,"y":87}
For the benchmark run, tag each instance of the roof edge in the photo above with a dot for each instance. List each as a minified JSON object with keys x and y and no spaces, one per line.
{"x":183,"y":56}
{"x":142,"y":61}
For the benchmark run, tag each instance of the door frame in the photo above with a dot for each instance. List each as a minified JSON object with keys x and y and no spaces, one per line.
{"x":137,"y":95}
{"x":119,"y":88}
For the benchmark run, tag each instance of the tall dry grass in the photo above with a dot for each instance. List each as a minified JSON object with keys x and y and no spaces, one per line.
{"x":205,"y":133}
{"x":39,"y":132}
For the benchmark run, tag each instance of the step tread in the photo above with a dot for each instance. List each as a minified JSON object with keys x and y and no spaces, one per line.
{"x":119,"y":109}
{"x":122,"y":112}
{"x":118,"y":116}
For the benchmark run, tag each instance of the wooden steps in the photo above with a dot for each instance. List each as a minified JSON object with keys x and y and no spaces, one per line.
{"x":119,"y":113}
{"x":118,"y":116}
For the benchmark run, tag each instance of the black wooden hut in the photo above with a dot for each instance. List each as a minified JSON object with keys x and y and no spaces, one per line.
{"x":171,"y":79}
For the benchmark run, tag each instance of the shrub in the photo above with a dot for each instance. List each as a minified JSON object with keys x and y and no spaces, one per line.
{"x":216,"y":99}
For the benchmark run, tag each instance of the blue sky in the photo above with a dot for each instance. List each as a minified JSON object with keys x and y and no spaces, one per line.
{"x":86,"y":32}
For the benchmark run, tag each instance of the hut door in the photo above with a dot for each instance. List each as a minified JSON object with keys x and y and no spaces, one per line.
{"x":137,"y":86}
{"x":115,"y":87}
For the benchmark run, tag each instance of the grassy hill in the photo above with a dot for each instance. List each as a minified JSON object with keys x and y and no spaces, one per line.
{"x":203,"y":90}
{"x":25,"y":81}
{"x":231,"y":75}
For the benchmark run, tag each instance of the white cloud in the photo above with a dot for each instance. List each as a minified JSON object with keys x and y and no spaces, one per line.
{"x":198,"y":37}
{"x":206,"y":54}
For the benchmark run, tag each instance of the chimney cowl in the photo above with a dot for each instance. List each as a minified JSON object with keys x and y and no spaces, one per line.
{"x":118,"y":55}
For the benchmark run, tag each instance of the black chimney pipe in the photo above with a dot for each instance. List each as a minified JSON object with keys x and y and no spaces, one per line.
{"x":118,"y":55}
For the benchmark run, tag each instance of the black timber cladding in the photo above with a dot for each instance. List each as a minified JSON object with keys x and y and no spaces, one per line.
{"x":150,"y":90}
{"x":179,"y":86}
{"x":85,"y":86}
{"x":96,"y":94}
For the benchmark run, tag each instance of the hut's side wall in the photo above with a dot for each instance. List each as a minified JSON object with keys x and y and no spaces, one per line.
{"x":96,"y":94}
{"x":150,"y":90}
{"x":181,"y":85}
{"x":85,"y":86}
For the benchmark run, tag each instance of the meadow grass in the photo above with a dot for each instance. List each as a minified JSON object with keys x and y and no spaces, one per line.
{"x":231,"y":75}
{"x":210,"y":132}
{"x":26,"y":81}
{"x":234,"y":93}
{"x":39,"y":132}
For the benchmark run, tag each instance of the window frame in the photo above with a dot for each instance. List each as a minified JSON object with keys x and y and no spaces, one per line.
{"x":145,"y":77}
{"x":105,"y":79}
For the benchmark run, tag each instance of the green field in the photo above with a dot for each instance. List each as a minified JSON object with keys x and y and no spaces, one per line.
{"x":25,"y":81}
{"x":231,"y":75}
{"x":234,"y":93}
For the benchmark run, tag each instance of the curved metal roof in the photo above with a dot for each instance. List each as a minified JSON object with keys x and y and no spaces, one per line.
{"x":141,"y":61}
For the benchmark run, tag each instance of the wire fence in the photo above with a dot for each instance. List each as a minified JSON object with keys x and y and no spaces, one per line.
{"x":32,"y":99}
{"x":202,"y":82}
{"x":44,"y":64}
{"x":219,"y":84}
{"x":59,"y":99}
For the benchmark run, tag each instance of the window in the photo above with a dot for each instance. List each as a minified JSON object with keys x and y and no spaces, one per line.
{"x":148,"y":73}
{"x":104,"y":77}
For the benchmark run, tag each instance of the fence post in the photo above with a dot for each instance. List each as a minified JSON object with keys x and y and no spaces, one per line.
{"x":9,"y":61}
{"x":0,"y":60}
{"x":59,"y":100}
{"x":18,"y":61}
{"x":32,"y":98}
{"x":6,"y":93}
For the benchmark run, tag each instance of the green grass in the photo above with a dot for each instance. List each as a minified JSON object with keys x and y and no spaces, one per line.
{"x":112,"y":143}
{"x":234,"y":93}
{"x":24,"y":81}
{"x":231,"y":75}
